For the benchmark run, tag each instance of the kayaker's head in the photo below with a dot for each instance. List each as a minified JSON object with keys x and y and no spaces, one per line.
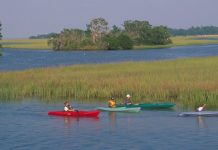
{"x":66,"y":103}
{"x":128,"y":96}
{"x":112,"y":98}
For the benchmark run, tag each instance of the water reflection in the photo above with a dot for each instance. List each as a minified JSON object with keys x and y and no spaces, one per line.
{"x":69,"y":124}
{"x":201,"y":122}
{"x":112,"y":120}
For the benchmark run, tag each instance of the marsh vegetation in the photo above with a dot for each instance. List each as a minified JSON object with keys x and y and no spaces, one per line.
{"x":187,"y":81}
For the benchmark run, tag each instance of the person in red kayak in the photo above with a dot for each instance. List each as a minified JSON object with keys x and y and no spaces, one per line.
{"x":67,"y":106}
{"x":201,"y":107}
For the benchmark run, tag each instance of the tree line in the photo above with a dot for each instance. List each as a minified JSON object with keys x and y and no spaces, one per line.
{"x":0,"y":38}
{"x":44,"y":36}
{"x":204,"y":30}
{"x":0,"y":33}
{"x":98,"y":36}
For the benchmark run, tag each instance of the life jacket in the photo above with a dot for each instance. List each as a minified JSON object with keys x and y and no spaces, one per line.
{"x":111,"y":103}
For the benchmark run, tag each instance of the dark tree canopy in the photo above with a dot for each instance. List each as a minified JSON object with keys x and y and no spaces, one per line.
{"x":160,"y":35}
{"x":121,"y":41}
{"x":139,"y":31}
{"x":125,"y":42}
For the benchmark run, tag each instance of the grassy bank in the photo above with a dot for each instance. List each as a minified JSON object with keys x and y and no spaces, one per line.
{"x":177,"y":41}
{"x":194,"y":40}
{"x":25,"y":43}
{"x":187,"y":81}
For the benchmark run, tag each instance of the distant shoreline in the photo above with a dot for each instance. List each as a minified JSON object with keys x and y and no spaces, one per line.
{"x":41,"y":44}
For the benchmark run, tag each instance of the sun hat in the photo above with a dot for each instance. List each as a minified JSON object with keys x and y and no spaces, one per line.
{"x":128,"y":96}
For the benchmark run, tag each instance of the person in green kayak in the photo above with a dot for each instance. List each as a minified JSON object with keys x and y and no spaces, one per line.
{"x":111,"y":103}
{"x":127,"y":100}
{"x":67,"y":106}
{"x":201,"y":108}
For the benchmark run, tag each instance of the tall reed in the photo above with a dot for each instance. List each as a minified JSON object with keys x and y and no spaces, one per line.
{"x":187,"y":81}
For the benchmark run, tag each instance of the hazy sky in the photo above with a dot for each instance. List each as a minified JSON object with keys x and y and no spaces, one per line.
{"x":23,"y":18}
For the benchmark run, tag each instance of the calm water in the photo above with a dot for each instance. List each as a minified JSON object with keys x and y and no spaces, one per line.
{"x":26,"y":125}
{"x":24,"y":59}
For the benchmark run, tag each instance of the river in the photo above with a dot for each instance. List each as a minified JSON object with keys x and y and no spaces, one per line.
{"x":20,"y":59}
{"x":25,"y":125}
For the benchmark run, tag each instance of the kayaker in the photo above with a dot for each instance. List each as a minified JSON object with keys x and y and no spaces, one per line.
{"x":112,"y":103}
{"x":127,"y":100}
{"x":67,"y":106}
{"x":201,"y":107}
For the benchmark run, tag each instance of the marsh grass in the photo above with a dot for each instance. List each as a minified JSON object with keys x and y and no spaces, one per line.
{"x":194,"y":40}
{"x":26,"y":43}
{"x":190,"y":82}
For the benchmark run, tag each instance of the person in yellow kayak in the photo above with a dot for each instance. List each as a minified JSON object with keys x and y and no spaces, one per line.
{"x":127,"y":100}
{"x":111,"y":103}
{"x":201,"y":108}
{"x":67,"y":106}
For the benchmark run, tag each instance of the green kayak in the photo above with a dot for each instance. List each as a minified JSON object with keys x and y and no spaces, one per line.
{"x":120,"y":109}
{"x":149,"y":105}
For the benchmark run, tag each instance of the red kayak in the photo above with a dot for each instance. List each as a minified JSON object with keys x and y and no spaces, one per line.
{"x":77,"y":113}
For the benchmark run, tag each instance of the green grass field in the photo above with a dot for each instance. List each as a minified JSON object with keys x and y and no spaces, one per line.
{"x":177,"y":41}
{"x":25,"y":43}
{"x":189,"y":82}
{"x":194,"y":40}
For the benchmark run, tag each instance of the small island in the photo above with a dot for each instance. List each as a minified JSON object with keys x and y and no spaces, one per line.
{"x":98,"y":36}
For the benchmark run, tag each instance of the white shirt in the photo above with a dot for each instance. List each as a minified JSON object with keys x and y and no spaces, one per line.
{"x":66,"y":108}
{"x":200,"y":108}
